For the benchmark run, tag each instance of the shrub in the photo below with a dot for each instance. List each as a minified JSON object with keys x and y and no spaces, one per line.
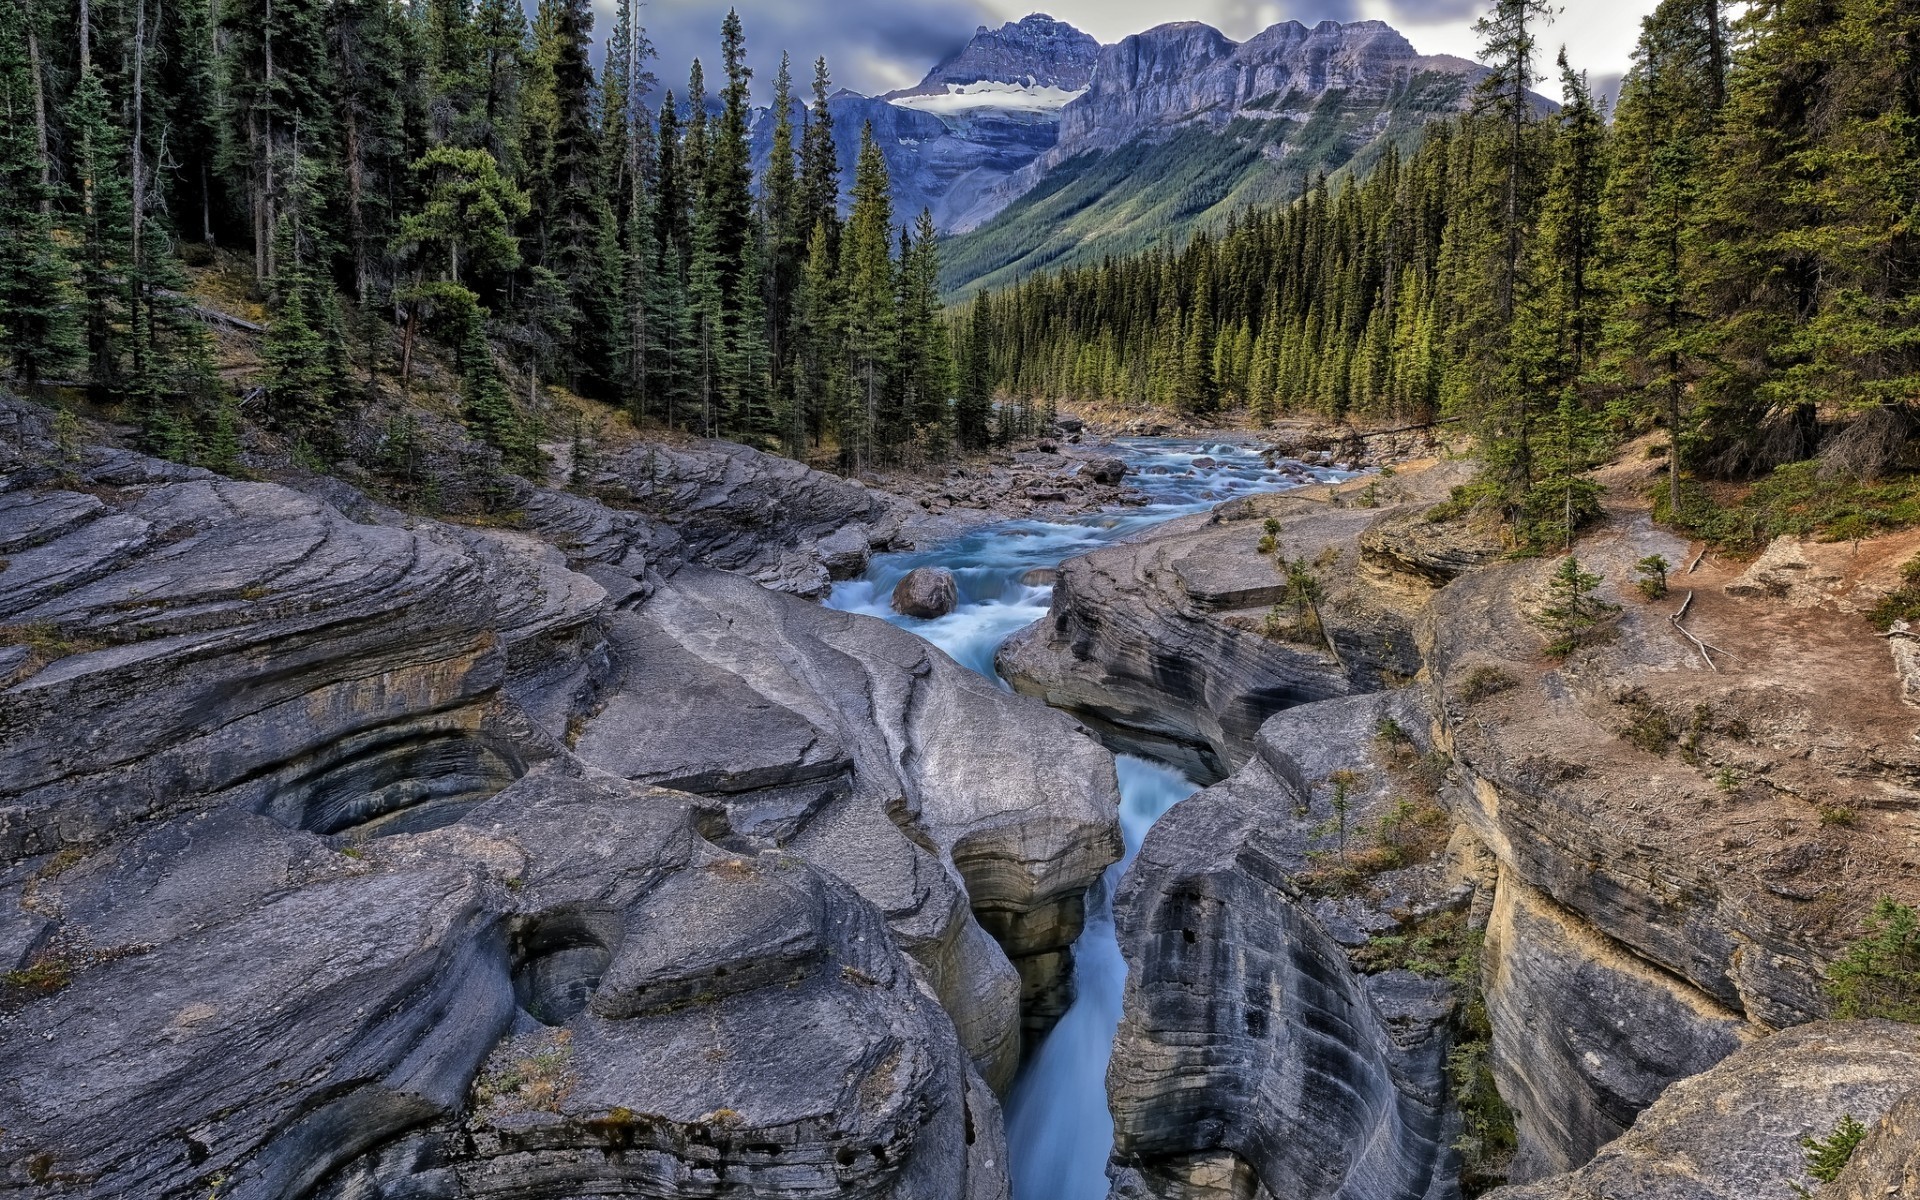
{"x":1648,"y":726}
{"x":1902,"y":604}
{"x":1653,"y":571}
{"x":1794,"y":499}
{"x":1879,"y":975}
{"x":1837,"y":814}
{"x":1485,"y":681}
{"x":1391,"y":734}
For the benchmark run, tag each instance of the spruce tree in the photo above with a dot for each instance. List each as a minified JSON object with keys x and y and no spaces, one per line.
{"x":38,"y":331}
{"x":872,"y":316}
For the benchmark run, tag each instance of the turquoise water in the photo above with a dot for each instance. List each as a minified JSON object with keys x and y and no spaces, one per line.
{"x":1059,"y":1131}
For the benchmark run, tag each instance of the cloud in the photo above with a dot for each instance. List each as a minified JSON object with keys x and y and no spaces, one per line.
{"x":1433,"y":12}
{"x":871,"y":46}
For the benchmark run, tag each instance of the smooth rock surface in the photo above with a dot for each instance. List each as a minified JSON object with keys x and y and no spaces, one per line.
{"x":975,"y":820}
{"x":1253,"y":1058}
{"x":310,"y":894}
{"x":926,"y":592}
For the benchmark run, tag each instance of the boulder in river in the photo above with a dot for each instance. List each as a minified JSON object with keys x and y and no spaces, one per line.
{"x":926,"y":592}
{"x":1040,"y":577}
{"x":1105,"y":470}
{"x":1204,"y":463}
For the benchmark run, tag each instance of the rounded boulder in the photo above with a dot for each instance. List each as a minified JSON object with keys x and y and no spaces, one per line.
{"x":926,"y":592}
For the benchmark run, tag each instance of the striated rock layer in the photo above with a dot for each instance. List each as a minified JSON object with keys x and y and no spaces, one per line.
{"x":1253,"y":1060}
{"x":1181,"y":644}
{"x":1734,"y":1133}
{"x":334,"y":860}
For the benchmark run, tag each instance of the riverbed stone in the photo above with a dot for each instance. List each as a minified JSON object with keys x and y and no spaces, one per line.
{"x":926,"y":593}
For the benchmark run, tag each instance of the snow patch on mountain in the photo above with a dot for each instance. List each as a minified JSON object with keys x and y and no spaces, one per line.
{"x":962,"y":98}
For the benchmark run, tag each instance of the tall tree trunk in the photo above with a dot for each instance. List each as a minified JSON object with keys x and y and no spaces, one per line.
{"x":39,"y":110}
{"x":263,"y":222}
{"x":136,"y":274}
{"x":1716,"y":54}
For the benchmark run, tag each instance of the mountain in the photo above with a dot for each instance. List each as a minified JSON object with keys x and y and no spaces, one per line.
{"x":1036,"y":146}
{"x":1180,"y":126}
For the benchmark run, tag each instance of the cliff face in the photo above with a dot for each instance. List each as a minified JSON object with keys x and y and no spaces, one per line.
{"x":1289,"y":1074}
{"x":1182,"y":644}
{"x":1036,"y":51}
{"x":1651,"y":861}
{"x":1736,"y":1132}
{"x":334,"y":860}
{"x":1187,"y":73}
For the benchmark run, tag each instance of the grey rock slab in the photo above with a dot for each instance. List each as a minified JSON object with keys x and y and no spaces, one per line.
{"x":1733,"y":1133}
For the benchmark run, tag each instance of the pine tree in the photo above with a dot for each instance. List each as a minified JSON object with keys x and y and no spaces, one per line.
{"x":106,"y":223}
{"x":1650,"y":215}
{"x":819,"y":188}
{"x":973,"y":413}
{"x":573,"y":210}
{"x":305,"y":346}
{"x":872,"y":321}
{"x":38,"y":332}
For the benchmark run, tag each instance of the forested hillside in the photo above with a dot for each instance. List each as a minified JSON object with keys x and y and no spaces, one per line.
{"x":398,"y":178}
{"x":1732,"y":256}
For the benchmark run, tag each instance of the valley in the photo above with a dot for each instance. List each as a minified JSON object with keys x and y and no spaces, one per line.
{"x":1186,"y":617}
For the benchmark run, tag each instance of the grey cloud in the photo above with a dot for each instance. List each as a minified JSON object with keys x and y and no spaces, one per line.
{"x":1433,"y":12}
{"x":1244,"y":17}
{"x":870,"y":45}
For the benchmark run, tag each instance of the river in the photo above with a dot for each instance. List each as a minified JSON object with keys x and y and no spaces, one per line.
{"x":1059,"y":1131}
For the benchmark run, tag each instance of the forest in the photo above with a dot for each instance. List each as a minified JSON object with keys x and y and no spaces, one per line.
{"x":414,"y":176}
{"x":1732,"y":255}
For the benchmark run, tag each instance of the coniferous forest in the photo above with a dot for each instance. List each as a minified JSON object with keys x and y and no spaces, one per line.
{"x":1732,"y":255}
{"x":444,"y":175}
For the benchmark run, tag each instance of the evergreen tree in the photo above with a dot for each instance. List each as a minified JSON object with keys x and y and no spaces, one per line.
{"x":973,"y":414}
{"x":872,"y":320}
{"x":819,"y":189}
{"x":38,"y":332}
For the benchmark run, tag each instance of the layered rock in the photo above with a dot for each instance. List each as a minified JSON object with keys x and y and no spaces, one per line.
{"x":957,"y":811}
{"x":1287,"y":1072}
{"x":303,"y":891}
{"x":1181,"y":644}
{"x":1682,"y":848}
{"x":1735,"y":1132}
{"x":771,"y":519}
{"x":1188,"y":73}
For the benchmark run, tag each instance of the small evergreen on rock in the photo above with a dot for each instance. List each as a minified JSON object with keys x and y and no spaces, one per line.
{"x":1574,"y":608}
{"x":1879,"y":974}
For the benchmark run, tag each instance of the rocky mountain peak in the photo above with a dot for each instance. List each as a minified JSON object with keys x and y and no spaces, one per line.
{"x":1037,"y":51}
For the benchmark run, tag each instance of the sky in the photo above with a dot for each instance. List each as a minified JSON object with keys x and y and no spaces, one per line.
{"x":874,"y":46}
